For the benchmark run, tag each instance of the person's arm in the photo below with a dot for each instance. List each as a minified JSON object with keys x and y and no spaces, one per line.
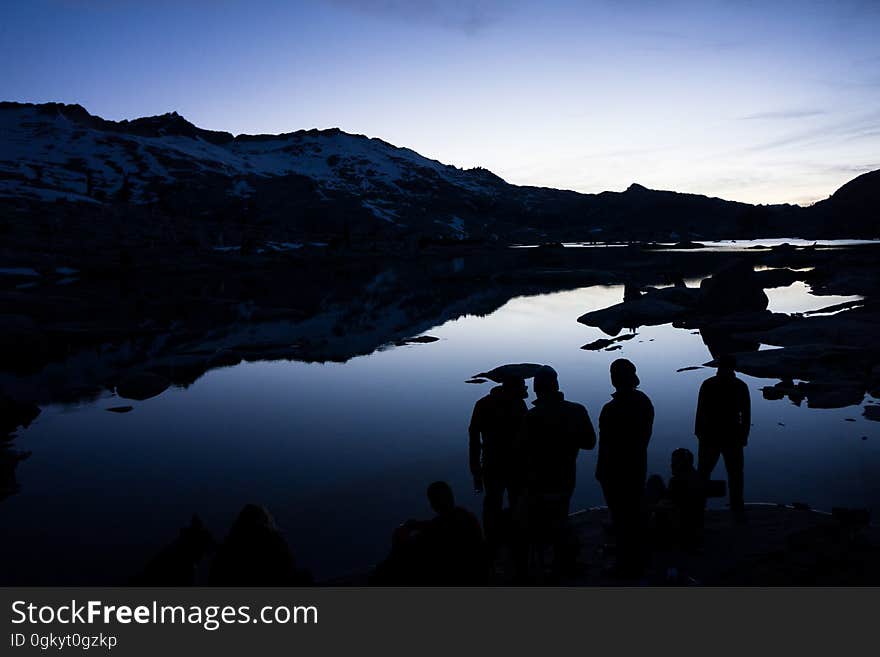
{"x":603,"y":429}
{"x":746,"y":410}
{"x":649,"y":420}
{"x":519,"y":467}
{"x":475,"y":447}
{"x":700,"y":420}
{"x":585,"y":432}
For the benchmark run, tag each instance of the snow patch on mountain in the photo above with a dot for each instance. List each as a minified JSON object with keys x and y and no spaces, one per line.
{"x":48,"y":155}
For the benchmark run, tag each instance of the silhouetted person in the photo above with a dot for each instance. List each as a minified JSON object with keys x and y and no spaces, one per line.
{"x":722,"y":426}
{"x":175,"y":564}
{"x":494,"y":426}
{"x":687,"y":492}
{"x":552,"y":434}
{"x":255,"y":554}
{"x":625,"y":427}
{"x":447,"y":550}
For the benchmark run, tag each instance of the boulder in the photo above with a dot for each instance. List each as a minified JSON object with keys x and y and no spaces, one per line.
{"x":521,"y":370}
{"x":647,"y":310}
{"x":734,"y":288}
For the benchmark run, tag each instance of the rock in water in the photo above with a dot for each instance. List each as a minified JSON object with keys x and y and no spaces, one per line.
{"x":734,"y":288}
{"x":142,"y":385}
{"x":521,"y":370}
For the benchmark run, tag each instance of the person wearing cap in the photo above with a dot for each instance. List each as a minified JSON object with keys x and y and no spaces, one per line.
{"x":625,"y":427}
{"x":494,"y":426}
{"x":553,"y":433}
{"x":722,"y":427}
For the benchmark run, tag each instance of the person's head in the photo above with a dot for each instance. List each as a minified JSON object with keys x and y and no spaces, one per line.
{"x":726,"y":364}
{"x":682,"y":461}
{"x":623,"y":375}
{"x":546,"y":381}
{"x":654,"y":487}
{"x":441,"y":498}
{"x":515,"y":386}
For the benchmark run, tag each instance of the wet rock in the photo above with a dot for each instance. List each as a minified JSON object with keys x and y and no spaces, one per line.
{"x":647,"y":310}
{"x":816,"y":362}
{"x":476,"y":380}
{"x":872,"y":412}
{"x":689,"y":369}
{"x":782,"y":277}
{"x":142,"y":385}
{"x":837,"y":307}
{"x":734,"y":288}
{"x":521,"y":370}
{"x":120,"y":409}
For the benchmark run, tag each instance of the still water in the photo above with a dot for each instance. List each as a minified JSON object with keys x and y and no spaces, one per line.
{"x":341,"y":453}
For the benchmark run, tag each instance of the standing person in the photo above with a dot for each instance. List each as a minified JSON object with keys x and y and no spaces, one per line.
{"x":494,"y":426}
{"x":554,"y":431}
{"x":625,"y":427}
{"x":722,"y":425}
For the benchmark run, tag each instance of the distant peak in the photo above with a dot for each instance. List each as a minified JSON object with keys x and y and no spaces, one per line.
{"x":636,"y":187}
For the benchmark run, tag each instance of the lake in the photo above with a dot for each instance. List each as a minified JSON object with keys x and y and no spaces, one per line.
{"x":341,"y":453}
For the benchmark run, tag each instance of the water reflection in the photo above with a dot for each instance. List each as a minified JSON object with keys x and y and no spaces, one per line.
{"x":341,"y":453}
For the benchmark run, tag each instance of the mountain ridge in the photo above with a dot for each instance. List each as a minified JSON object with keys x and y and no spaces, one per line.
{"x":327,"y":182}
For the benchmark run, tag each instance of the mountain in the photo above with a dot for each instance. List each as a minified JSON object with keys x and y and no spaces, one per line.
{"x":854,"y":207}
{"x":169,"y":180}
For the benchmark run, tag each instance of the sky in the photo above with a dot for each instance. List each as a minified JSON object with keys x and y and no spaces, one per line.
{"x":764,"y":102}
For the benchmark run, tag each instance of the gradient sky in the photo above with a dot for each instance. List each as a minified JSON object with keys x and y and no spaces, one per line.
{"x":754,"y":101}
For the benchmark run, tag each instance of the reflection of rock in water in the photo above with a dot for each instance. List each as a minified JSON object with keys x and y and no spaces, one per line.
{"x":13,"y":414}
{"x":605,"y":343}
{"x":142,"y":385}
{"x":9,"y":460}
{"x":422,"y":339}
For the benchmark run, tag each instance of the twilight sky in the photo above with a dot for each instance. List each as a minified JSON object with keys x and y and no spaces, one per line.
{"x":756,"y":101}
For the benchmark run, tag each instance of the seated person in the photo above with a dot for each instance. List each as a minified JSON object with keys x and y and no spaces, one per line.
{"x":447,"y":550}
{"x":687,"y":492}
{"x":676,"y":511}
{"x":255,"y":553}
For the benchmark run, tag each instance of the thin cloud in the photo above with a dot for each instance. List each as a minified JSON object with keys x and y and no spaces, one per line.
{"x":783,"y":114}
{"x":859,"y":127}
{"x":468,"y":16}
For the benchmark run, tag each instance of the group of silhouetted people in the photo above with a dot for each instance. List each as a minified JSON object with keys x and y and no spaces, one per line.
{"x":531,"y":456}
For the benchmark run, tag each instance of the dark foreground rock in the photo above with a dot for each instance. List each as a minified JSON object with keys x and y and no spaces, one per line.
{"x":780,"y":546}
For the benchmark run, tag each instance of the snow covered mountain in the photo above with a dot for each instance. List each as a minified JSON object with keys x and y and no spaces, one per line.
{"x":55,"y":151}
{"x":169,"y":178}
